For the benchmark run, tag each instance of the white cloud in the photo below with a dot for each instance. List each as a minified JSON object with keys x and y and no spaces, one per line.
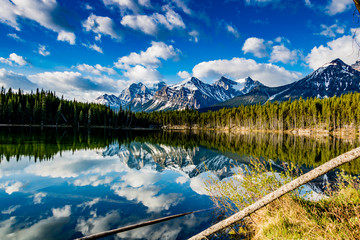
{"x":236,"y":68}
{"x":10,"y":186}
{"x":89,"y":204}
{"x":123,"y":5}
{"x":232,"y":30}
{"x":345,"y":48}
{"x":97,"y":69}
{"x":38,"y":197}
{"x":150,"y":24}
{"x":93,"y":47}
{"x":48,"y":228}
{"x":75,"y":85}
{"x":280,"y":53}
{"x":146,"y":75}
{"x":62,"y":212}
{"x":14,"y":36}
{"x":255,"y":46}
{"x":151,"y":57}
{"x":194,"y":36}
{"x":143,"y":66}
{"x":101,"y":25}
{"x":182,"y":5}
{"x":98,"y":223}
{"x":184,"y":74}
{"x":66,"y":37}
{"x":10,"y":79}
{"x":10,"y":210}
{"x":43,"y":51}
{"x":338,"y":6}
{"x":45,"y":13}
{"x":14,"y":59}
{"x":332,"y":31}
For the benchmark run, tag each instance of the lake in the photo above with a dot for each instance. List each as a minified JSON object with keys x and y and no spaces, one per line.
{"x":64,"y":184}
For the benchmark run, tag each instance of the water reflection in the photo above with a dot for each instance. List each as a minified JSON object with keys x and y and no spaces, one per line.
{"x":59,"y":184}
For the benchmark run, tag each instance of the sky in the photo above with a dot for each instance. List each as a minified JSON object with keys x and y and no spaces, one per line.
{"x":83,"y":49}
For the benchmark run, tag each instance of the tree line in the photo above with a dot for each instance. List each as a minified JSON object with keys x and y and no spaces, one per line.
{"x":328,"y":114}
{"x":45,"y":108}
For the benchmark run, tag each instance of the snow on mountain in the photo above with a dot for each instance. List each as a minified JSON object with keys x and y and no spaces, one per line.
{"x":109,"y":100}
{"x":136,"y":92}
{"x":191,"y":93}
{"x":332,"y":79}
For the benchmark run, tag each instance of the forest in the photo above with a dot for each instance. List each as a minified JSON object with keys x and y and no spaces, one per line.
{"x":45,"y":108}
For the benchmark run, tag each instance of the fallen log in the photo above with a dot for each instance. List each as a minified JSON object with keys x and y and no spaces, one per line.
{"x":303,"y":179}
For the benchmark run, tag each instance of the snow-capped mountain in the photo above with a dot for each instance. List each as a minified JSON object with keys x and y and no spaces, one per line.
{"x":332,"y":79}
{"x":136,"y":92}
{"x":109,"y":100}
{"x":193,"y":93}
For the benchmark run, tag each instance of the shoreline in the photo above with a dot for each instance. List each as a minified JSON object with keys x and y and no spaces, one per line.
{"x":350,"y":132}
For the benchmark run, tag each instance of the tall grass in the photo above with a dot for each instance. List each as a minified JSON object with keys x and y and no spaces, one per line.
{"x":294,"y":216}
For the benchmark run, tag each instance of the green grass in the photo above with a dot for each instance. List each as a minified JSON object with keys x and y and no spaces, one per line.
{"x":336,"y":216}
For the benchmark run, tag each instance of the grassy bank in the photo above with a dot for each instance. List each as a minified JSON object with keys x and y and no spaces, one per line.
{"x":335,"y":214}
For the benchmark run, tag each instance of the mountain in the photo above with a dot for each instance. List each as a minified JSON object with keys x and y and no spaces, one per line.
{"x":332,"y":79}
{"x":109,"y":100}
{"x":193,"y":93}
{"x":136,"y":92}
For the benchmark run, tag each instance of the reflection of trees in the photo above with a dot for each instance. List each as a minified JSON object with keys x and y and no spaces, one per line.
{"x":309,"y":152}
{"x":43,"y":145}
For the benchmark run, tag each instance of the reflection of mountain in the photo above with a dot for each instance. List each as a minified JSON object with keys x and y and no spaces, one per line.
{"x":190,"y":161}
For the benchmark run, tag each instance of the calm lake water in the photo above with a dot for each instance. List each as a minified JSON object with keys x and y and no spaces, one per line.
{"x":61,"y":184}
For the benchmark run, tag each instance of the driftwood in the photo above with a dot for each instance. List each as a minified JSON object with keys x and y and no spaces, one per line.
{"x":134,"y":226}
{"x":305,"y":178}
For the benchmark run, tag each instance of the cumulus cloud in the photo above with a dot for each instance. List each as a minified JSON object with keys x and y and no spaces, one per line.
{"x":10,"y":186}
{"x":344,"y":47}
{"x":184,"y":74}
{"x":97,"y":69}
{"x":10,"y":79}
{"x":151,"y":57}
{"x":45,"y":13}
{"x":338,"y":6}
{"x":38,"y":197}
{"x":43,"y":51}
{"x":143,"y":66}
{"x":48,"y":228}
{"x":194,"y":36}
{"x":14,"y":59}
{"x":98,"y":223}
{"x":66,"y":37}
{"x":280,"y":53}
{"x":101,"y":25}
{"x":151,"y":24}
{"x":255,"y":46}
{"x":236,"y":68}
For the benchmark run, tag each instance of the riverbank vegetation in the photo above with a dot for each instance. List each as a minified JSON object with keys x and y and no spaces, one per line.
{"x":334,"y":214}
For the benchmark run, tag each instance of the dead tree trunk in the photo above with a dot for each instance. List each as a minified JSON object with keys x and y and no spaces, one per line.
{"x":326,"y":167}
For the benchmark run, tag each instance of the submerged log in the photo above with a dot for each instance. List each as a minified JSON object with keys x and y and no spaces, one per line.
{"x":303,"y":179}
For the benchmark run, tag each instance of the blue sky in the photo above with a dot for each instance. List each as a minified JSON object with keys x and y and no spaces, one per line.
{"x":82,"y":49}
